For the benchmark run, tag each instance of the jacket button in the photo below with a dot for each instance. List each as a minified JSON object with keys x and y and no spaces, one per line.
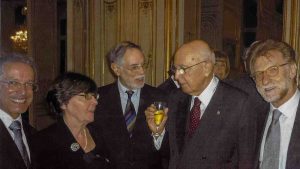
{"x":203,"y":157}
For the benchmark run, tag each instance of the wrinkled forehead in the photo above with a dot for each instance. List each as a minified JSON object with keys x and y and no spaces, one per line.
{"x":11,"y":68}
{"x":269,"y":58}
{"x":133,"y":56}
{"x":186,"y":56}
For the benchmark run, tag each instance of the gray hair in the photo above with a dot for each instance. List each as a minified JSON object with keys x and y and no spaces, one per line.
{"x":116,"y":54}
{"x":17,"y":58}
{"x":263,"y":47}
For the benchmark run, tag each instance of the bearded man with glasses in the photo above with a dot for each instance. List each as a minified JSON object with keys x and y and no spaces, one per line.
{"x":274,"y":70}
{"x":120,"y":114}
{"x":209,"y":122}
{"x":17,"y":85}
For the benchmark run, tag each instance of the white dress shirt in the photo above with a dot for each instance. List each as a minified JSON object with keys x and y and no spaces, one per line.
{"x":204,"y":97}
{"x":7,"y":120}
{"x":286,"y":120}
{"x":135,"y":98}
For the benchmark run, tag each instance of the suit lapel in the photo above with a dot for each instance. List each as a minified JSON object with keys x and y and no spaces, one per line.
{"x":29,"y":131}
{"x":261,"y":118}
{"x":293,"y":154}
{"x":211,"y":119}
{"x":182,"y":112}
{"x":145,"y":101}
{"x":114,"y":111}
{"x":9,"y":152}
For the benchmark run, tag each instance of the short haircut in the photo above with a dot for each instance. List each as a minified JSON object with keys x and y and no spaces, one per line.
{"x":65,"y":87}
{"x":262,"y":48}
{"x":221,"y":54}
{"x":117,"y":53}
{"x":247,"y":55}
{"x":17,"y":58}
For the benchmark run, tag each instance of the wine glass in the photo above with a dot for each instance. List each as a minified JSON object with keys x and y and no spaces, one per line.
{"x":158,"y":115}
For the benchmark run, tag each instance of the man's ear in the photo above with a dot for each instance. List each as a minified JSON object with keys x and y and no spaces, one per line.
{"x":115,"y":68}
{"x":208,"y":68}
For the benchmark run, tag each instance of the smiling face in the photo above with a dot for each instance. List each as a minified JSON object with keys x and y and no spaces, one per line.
{"x":15,"y":101}
{"x":131,"y":72}
{"x":279,"y":88}
{"x":80,"y":109}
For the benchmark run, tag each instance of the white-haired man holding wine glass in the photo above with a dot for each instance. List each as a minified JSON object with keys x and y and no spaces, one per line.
{"x":209,"y":122}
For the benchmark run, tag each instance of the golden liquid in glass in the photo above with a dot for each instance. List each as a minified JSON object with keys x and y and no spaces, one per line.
{"x":158,"y":116}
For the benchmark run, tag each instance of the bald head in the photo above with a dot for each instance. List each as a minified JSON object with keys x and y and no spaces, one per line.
{"x":194,"y":62}
{"x":196,"y":50}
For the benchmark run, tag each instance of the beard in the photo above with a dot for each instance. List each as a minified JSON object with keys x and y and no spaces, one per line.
{"x":274,"y":92}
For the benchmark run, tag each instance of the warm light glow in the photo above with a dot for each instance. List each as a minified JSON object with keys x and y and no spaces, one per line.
{"x":20,"y":40}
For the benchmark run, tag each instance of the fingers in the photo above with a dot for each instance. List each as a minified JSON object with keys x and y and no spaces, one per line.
{"x":149,"y":112}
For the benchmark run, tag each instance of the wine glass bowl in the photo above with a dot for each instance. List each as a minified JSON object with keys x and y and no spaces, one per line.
{"x":159,"y":114}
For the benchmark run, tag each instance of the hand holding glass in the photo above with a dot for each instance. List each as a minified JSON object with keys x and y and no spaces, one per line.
{"x":158,"y":115}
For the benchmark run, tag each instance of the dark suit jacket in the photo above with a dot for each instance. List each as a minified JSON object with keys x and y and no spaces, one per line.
{"x":52,"y":150}
{"x":168,"y":86}
{"x":293,"y":154}
{"x":138,"y":151}
{"x":10,"y":156}
{"x":246,"y":83}
{"x":225,"y":137}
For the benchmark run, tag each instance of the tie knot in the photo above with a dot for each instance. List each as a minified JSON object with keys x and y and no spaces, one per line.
{"x":197,"y":102}
{"x":15,"y":125}
{"x":276,"y":115}
{"x":129,"y":93}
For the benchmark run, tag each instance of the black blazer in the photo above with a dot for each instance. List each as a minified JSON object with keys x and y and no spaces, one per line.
{"x":10,"y":156}
{"x":225,"y":137}
{"x":52,"y":149}
{"x":168,"y":86}
{"x":137,"y":152}
{"x":293,"y":154}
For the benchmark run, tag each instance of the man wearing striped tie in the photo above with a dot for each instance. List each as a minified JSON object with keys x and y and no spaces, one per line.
{"x":274,"y":70}
{"x":120,"y":118}
{"x":17,"y":84}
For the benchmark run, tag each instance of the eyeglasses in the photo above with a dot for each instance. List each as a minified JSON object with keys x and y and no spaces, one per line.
{"x":89,"y":96}
{"x":182,"y":70}
{"x":271,"y":72}
{"x":137,"y":67}
{"x":14,"y":85}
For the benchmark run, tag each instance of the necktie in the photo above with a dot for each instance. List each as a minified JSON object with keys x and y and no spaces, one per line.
{"x":194,"y":116}
{"x":130,"y":115}
{"x":16,"y":129}
{"x":272,"y":143}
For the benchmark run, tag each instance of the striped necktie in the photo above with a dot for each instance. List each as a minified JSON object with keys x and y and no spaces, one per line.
{"x":130,"y":114}
{"x":16,"y":129}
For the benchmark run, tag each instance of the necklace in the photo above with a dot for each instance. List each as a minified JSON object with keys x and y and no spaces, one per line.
{"x":85,"y":139}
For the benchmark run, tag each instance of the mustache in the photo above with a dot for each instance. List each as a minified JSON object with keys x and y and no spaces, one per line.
{"x":140,"y":77}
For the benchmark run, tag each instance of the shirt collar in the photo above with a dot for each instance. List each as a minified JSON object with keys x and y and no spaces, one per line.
{"x":7,"y":119}
{"x":208,"y":92}
{"x":123,"y":89}
{"x":289,"y":107}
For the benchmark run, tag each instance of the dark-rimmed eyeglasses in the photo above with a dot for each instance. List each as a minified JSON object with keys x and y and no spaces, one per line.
{"x":15,"y":85}
{"x":89,"y":96}
{"x":182,"y":70}
{"x":270,"y":72}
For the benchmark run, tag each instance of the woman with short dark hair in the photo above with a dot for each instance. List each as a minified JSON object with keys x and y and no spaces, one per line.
{"x":69,"y":143}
